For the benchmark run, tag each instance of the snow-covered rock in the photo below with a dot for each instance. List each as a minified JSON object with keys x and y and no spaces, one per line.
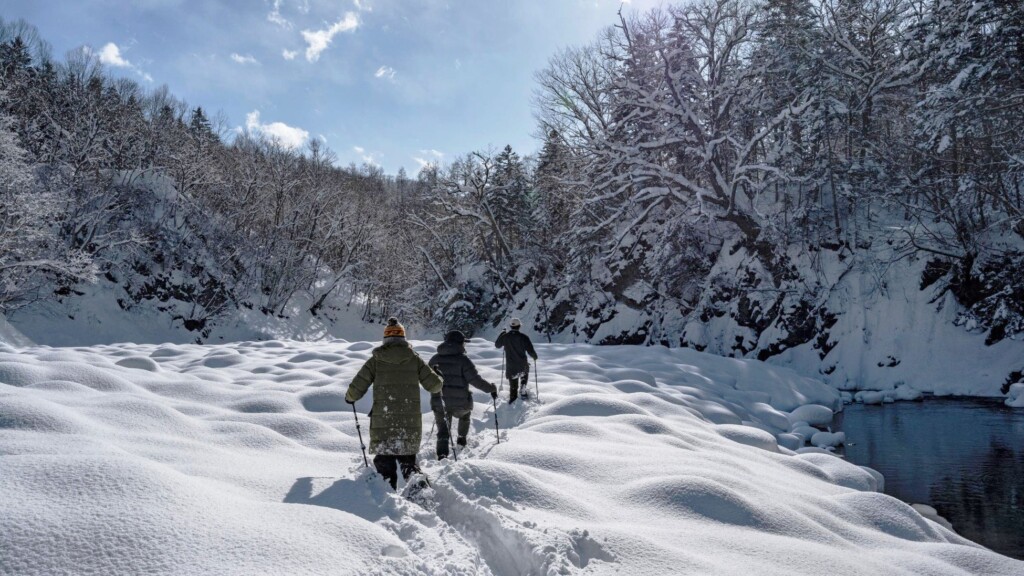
{"x":813,"y":414}
{"x":879,"y":478}
{"x":828,"y":439}
{"x":906,"y":392}
{"x":770,"y":416}
{"x":932,"y":514}
{"x":1015,"y":396}
{"x":804,"y":430}
{"x":870,"y":397}
{"x":790,"y":441}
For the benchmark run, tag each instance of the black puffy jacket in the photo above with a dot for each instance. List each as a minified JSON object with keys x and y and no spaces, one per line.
{"x":458,"y":372}
{"x":517,"y":347}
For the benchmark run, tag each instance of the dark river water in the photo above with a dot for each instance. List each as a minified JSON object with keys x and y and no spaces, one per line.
{"x":964,"y":457}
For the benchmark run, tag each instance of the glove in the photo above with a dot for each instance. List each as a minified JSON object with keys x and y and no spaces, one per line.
{"x":494,"y":395}
{"x":347,"y":401}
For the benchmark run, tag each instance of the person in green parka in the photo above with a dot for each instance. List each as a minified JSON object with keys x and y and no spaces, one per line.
{"x":396,"y":421}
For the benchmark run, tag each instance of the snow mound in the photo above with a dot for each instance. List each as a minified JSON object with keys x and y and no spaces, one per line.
{"x":139,"y":363}
{"x":244,"y":459}
{"x":812,"y":414}
{"x":1015,"y":396}
{"x":842,"y":473}
{"x":698,"y":498}
{"x":590,"y":405}
{"x":749,"y":436}
{"x":325,"y":401}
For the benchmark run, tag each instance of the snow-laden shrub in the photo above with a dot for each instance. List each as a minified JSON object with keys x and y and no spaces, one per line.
{"x":34,"y":258}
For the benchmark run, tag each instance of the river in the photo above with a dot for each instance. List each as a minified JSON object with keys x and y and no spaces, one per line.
{"x":962,"y":456}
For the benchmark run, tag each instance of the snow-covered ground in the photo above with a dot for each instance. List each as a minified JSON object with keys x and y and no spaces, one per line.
{"x":244,"y":459}
{"x":95,"y":317}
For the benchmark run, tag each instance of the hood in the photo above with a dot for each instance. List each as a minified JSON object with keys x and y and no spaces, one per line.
{"x":451,"y":349}
{"x":394,"y":353}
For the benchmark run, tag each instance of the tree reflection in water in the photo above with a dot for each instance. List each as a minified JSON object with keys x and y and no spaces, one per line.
{"x":965,"y":457}
{"x":988,"y":502}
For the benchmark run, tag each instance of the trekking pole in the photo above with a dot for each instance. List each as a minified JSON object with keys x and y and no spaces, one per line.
{"x":501,"y":381}
{"x":494,"y":401}
{"x":451,"y":440}
{"x":536,"y":378}
{"x":359,"y":429}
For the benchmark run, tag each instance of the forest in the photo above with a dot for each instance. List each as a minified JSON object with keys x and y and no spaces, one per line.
{"x":715,"y":159}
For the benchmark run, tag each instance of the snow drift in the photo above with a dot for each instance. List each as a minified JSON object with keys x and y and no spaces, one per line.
{"x":243,"y":458}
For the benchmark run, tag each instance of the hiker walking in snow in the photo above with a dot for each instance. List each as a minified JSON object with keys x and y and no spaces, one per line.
{"x":396,"y":424}
{"x":517,"y":368}
{"x":455,"y":399}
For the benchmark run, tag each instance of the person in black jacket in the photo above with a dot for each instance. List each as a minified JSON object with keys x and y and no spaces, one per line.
{"x":517,"y":368}
{"x":458,"y":373}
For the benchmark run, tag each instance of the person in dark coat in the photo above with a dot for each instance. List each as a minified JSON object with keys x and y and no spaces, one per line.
{"x":517,"y":368}
{"x":396,"y":373}
{"x":455,"y":399}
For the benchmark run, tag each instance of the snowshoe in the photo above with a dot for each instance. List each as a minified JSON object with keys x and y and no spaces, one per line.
{"x":418,"y":491}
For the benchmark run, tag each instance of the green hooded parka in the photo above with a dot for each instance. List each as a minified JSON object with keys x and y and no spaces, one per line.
{"x":396,"y":420}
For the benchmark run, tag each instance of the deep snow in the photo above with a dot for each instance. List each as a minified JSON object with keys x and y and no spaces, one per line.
{"x":243,"y":459}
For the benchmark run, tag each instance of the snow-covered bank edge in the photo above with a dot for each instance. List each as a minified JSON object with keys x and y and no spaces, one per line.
{"x":881,"y":331}
{"x":12,"y":336}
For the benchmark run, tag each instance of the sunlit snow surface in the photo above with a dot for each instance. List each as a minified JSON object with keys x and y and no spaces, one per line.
{"x":244,"y":459}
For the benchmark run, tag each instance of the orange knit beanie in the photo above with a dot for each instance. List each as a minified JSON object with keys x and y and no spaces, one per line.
{"x":394,"y":329}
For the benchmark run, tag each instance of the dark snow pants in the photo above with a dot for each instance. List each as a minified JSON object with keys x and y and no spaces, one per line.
{"x":387,"y":466}
{"x":517,"y":384}
{"x":444,"y":433}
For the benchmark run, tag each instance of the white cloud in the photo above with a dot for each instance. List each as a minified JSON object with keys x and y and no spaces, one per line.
{"x":247,"y":59}
{"x":362,"y":7}
{"x":429,"y":157}
{"x":111,"y":56}
{"x":289,"y":136}
{"x":369,"y":158}
{"x":276,"y":18}
{"x":289,"y":54}
{"x":385,"y":72}
{"x":319,"y":40}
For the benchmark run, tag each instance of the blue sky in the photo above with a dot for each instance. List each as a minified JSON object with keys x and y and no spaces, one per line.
{"x":392,"y":82}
